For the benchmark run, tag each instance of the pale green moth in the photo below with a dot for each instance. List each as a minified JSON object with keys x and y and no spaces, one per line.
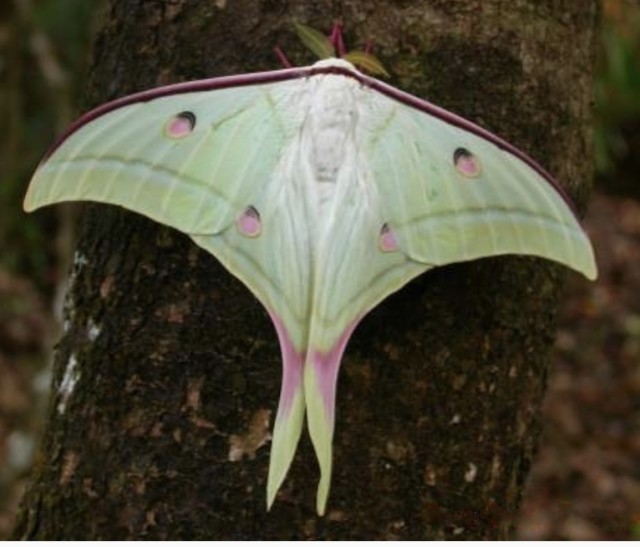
{"x":324,"y":190}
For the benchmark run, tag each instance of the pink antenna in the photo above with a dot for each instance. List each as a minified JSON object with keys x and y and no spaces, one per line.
{"x":284,"y":60}
{"x":337,"y":40}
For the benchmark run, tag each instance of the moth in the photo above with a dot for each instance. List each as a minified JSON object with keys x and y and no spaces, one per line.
{"x":323,"y":190}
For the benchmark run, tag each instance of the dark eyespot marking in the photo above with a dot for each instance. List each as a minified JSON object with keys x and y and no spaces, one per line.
{"x":387,"y":241}
{"x":248,"y":223}
{"x":466,"y":163}
{"x":181,"y":125}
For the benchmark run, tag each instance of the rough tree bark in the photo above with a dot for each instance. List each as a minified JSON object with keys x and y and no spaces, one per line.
{"x":175,"y":363}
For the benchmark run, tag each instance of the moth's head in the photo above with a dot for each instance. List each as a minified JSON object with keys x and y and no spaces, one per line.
{"x":334,"y":62}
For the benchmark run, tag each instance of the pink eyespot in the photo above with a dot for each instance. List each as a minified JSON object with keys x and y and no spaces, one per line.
{"x":248,"y":222}
{"x":387,"y":240}
{"x":181,"y":125}
{"x":466,"y":163}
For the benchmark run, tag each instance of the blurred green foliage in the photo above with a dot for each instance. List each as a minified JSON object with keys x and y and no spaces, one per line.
{"x":69,"y":25}
{"x":44,"y":51}
{"x":618,"y":84}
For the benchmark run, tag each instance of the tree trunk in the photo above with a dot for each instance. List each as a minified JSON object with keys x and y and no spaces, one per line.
{"x":169,"y":369}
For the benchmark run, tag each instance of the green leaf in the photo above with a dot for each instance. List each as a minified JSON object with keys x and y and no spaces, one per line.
{"x":317,"y":42}
{"x":369,"y":63}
